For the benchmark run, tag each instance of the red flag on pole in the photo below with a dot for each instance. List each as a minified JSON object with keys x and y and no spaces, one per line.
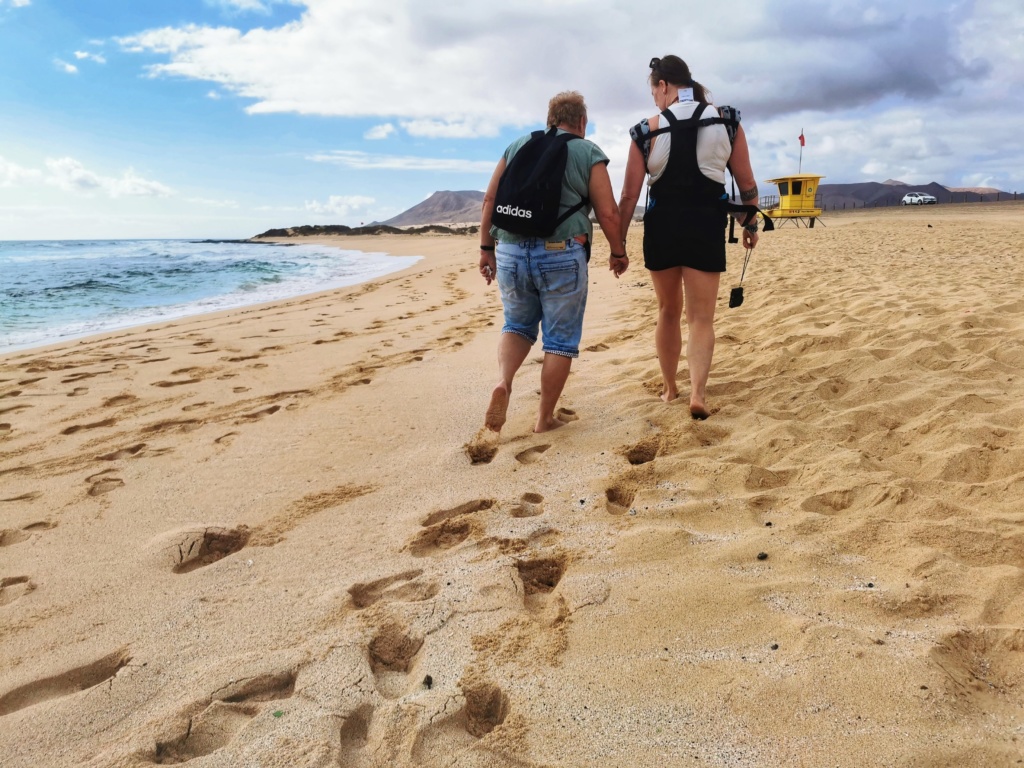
{"x":802,"y":143}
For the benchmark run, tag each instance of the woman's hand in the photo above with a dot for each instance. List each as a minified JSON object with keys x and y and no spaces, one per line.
{"x":749,"y":238}
{"x":618,"y":265}
{"x":488,"y":265}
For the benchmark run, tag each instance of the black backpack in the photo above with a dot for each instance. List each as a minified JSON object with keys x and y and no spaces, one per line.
{"x":530,"y":189}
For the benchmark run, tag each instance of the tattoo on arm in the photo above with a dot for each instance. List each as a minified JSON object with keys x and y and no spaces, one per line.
{"x":748,"y":194}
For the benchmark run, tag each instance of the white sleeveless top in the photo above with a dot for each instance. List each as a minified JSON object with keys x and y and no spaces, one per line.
{"x":713,"y":146}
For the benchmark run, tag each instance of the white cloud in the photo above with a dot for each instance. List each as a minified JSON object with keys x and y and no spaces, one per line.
{"x":379,"y":132}
{"x":339,"y":205}
{"x":17,"y":3}
{"x":215,"y":95}
{"x":98,"y":58}
{"x":12,"y":174}
{"x":366,"y":161}
{"x":71,"y":176}
{"x":64,"y":66}
{"x":444,"y":129}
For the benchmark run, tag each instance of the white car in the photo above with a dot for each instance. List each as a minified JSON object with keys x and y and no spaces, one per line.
{"x":918,"y":198}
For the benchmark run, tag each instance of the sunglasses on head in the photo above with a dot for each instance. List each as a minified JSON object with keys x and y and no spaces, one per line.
{"x":655,"y":62}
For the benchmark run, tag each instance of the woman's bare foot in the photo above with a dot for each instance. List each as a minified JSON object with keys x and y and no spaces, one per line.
{"x":668,"y":396}
{"x":698,"y":410}
{"x":494,"y":419}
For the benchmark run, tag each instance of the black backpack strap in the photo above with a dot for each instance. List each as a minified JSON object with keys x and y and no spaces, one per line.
{"x":584,"y":200}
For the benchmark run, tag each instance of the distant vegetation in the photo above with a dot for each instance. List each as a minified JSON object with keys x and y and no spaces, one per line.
{"x":308,"y":230}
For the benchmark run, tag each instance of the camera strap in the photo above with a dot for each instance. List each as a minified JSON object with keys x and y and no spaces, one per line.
{"x":746,"y":260}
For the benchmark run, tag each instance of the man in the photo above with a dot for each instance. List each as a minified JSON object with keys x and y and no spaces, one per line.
{"x":544,"y":280}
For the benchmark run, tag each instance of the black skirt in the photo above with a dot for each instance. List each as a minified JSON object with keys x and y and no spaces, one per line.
{"x":680,"y":236}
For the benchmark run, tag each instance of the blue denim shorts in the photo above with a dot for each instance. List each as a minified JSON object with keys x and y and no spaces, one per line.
{"x":545,"y":288}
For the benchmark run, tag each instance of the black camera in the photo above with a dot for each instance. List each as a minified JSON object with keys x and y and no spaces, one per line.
{"x":735,"y":297}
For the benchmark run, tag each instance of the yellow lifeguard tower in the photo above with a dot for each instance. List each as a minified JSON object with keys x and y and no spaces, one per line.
{"x":795,"y":201}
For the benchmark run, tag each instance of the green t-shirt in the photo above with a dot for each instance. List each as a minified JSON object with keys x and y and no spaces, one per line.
{"x":583,"y":155}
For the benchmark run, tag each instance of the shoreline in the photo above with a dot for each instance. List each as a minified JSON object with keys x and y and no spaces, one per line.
{"x":257,"y":537}
{"x":155,"y":324}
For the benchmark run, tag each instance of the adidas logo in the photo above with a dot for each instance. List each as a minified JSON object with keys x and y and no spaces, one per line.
{"x":518,"y":212}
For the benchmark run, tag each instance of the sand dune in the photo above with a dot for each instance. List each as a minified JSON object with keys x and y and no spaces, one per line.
{"x":259,"y":538}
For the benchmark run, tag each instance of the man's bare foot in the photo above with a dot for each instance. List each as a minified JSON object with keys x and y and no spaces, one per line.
{"x":668,"y":397}
{"x":546,"y":425}
{"x":494,"y":419}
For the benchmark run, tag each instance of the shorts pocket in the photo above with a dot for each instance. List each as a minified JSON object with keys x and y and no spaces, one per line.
{"x":507,"y":273}
{"x":562,"y":277}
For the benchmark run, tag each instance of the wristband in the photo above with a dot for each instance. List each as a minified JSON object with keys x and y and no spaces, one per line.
{"x":623,"y":256}
{"x":751,"y":228}
{"x":486,"y":247}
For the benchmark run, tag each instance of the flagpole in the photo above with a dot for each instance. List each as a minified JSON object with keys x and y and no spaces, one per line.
{"x":801,"y":166}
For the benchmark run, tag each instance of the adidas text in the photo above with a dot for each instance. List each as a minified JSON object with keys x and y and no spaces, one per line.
{"x":508,"y":210}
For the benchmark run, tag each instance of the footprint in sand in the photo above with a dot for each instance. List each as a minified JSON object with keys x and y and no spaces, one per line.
{"x":188,"y":549}
{"x":257,"y":415}
{"x":447,"y":528}
{"x":15,"y":393}
{"x":166,"y":384}
{"x":31,"y":496}
{"x":123,"y":453}
{"x":400,"y":588}
{"x":566,"y":414}
{"x":644,"y":451}
{"x":64,"y":684}
{"x":215,"y":727}
{"x":12,"y":588}
{"x":196,"y":406}
{"x":226,"y":439}
{"x":26,"y":382}
{"x":102,"y":483}
{"x":95,"y":425}
{"x":392,"y":652}
{"x":619,"y":497}
{"x":486,"y":707}
{"x":5,"y":429}
{"x":78,"y":392}
{"x":530,"y":505}
{"x":239,"y":390}
{"x":355,"y":736}
{"x":531,"y":455}
{"x":9,"y":537}
{"x":598,"y":348}
{"x":119,"y":400}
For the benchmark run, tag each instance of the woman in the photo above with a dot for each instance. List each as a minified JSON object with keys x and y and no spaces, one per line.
{"x":543,"y":281}
{"x":684,"y":151}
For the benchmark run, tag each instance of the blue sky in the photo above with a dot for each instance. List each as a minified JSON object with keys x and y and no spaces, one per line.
{"x":223,"y":118}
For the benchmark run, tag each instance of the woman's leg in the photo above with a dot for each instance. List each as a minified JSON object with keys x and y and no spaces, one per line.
{"x":701,"y":290}
{"x":668,"y":338}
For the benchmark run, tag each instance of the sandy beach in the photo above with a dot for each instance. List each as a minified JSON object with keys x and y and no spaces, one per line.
{"x":257,"y":538}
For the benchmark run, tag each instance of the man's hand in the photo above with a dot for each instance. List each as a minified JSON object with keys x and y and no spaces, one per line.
{"x":749,"y":238}
{"x":488,"y":265}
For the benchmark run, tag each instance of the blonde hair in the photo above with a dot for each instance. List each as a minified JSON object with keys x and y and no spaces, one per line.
{"x":567,"y":107}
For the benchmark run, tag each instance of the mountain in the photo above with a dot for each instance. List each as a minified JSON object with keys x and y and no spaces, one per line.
{"x":874,"y":194}
{"x":442,"y":208}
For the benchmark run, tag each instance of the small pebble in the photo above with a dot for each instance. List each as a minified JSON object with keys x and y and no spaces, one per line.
{"x":871,"y":585}
{"x":428,"y":682}
{"x":775,"y":646}
{"x":762,"y":555}
{"x":768,"y":524}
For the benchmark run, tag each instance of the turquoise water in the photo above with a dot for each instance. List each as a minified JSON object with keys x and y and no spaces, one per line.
{"x":55,"y":290}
